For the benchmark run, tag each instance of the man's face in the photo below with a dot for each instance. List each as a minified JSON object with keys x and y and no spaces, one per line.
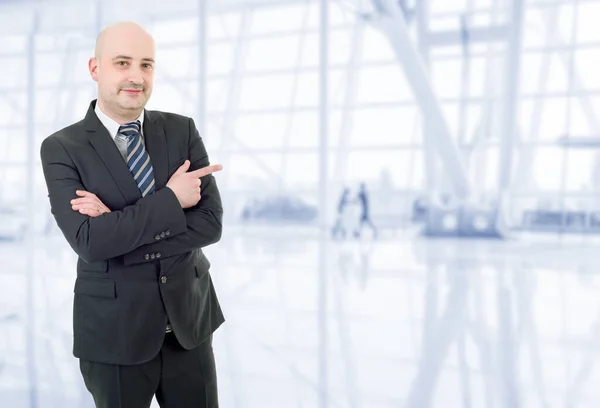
{"x":124,"y":70}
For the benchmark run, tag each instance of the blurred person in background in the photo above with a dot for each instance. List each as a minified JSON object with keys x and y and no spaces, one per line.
{"x":365,"y":218}
{"x":341,"y":220}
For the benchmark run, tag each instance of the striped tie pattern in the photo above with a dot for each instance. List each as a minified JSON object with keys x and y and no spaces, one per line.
{"x":138,"y":159}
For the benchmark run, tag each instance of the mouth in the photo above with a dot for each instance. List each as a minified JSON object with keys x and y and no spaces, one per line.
{"x":132,"y":91}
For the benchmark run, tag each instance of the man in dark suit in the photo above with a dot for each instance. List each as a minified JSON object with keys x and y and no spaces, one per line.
{"x":133,"y":194}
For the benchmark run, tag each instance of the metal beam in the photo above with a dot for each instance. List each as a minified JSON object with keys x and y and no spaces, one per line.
{"x":527,"y":151}
{"x":202,"y":65}
{"x":234,"y":85}
{"x":30,"y":288}
{"x":352,"y":81}
{"x":392,"y":24}
{"x":476,"y":35}
{"x":287,"y":134}
{"x":422,"y":14}
{"x":508,"y":136}
{"x":579,"y":142}
{"x":322,"y":298}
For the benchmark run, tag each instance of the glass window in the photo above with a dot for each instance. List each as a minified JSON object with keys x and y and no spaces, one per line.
{"x":14,"y":68}
{"x":383,"y":126}
{"x":382,"y":84}
{"x":547,"y":168}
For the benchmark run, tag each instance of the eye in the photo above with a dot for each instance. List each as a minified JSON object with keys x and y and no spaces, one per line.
{"x":147,"y":66}
{"x":122,"y":63}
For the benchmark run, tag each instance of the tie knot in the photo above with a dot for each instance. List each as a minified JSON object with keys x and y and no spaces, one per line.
{"x":130,"y":129}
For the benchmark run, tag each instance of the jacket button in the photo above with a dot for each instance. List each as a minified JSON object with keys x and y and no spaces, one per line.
{"x":157,"y":237}
{"x":147,"y":256}
{"x":162,"y":234}
{"x":163,"y":279}
{"x":152,"y":256}
{"x":167,"y":232}
{"x":158,"y":255}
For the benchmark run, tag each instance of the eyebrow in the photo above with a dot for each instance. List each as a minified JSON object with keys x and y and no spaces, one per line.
{"x":129,"y":58}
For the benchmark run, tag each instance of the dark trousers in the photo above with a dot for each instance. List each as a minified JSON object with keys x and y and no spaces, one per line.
{"x":180,"y":379}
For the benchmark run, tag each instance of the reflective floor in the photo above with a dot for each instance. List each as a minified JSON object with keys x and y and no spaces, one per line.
{"x":399,"y":322}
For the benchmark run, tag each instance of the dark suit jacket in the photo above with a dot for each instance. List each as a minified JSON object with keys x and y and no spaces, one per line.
{"x":142,"y":262}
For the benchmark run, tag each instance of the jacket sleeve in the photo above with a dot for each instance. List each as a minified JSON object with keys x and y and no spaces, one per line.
{"x":204,"y":220}
{"x":111,"y":234}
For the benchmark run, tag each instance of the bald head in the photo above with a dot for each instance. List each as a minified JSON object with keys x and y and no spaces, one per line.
{"x":119,"y":32}
{"x":123,"y":66}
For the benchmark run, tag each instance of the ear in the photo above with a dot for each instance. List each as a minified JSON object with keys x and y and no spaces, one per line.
{"x":93,"y":67}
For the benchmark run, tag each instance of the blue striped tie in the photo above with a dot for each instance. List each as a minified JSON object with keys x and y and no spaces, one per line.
{"x":138,"y":159}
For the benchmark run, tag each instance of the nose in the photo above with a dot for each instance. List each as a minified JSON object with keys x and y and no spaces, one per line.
{"x":135,"y":76}
{"x":136,"y":79}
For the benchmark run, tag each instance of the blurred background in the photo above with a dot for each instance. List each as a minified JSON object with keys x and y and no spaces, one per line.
{"x":411,"y":194}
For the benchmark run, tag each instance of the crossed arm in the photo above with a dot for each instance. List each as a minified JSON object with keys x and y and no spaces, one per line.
{"x":99,"y":235}
{"x":203,"y":220}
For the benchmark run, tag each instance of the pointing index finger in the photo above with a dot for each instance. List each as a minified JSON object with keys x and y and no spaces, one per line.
{"x":204,"y":171}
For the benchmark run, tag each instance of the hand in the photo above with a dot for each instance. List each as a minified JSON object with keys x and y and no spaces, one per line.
{"x":186,"y":186}
{"x":89,"y":204}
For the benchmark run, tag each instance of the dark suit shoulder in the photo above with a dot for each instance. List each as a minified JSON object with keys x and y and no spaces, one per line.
{"x":68,"y":133}
{"x":178,"y":128}
{"x":171,"y":118}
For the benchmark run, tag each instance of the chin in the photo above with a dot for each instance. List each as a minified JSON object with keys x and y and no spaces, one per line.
{"x":133,"y":104}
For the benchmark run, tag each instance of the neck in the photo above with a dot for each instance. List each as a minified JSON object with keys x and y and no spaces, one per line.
{"x":119,"y":117}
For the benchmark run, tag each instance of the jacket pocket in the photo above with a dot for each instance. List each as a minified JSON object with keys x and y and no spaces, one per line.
{"x":200,"y":271}
{"x":96,"y":287}
{"x":202,"y":265}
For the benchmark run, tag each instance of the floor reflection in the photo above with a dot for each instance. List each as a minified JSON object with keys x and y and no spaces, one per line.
{"x":401,"y":321}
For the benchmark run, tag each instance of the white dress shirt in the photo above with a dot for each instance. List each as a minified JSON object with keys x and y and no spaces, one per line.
{"x":113,"y":129}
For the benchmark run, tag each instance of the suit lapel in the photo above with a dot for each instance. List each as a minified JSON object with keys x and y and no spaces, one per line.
{"x":156,"y":145}
{"x":106,"y":148}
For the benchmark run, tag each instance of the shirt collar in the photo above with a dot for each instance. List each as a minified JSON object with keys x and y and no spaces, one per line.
{"x":111,"y":125}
